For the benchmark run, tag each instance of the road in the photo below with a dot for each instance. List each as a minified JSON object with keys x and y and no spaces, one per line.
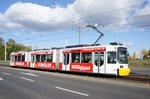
{"x":32,"y":84}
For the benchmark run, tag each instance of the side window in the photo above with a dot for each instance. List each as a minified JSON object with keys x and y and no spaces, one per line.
{"x":99,"y":60}
{"x":49,"y":57}
{"x":16,"y":59}
{"x":75,"y":57}
{"x":111,"y":58}
{"x":66,"y":59}
{"x":19,"y":58}
{"x":43,"y":58}
{"x":86,"y":58}
{"x":23,"y":58}
{"x":96,"y":58}
{"x":32,"y":58}
{"x":37,"y":58}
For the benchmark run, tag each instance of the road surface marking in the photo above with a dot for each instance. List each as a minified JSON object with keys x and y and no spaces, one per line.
{"x":71,"y":91}
{"x":27,"y":79}
{"x":6,"y":73}
{"x":29,"y":74}
{"x":1,"y":78}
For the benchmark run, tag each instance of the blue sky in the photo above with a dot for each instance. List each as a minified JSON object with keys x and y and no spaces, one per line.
{"x":55,"y":23}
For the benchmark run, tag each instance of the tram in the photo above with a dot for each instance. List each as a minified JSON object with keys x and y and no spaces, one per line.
{"x":103,"y":59}
{"x":109,"y":59}
{"x":44,"y":59}
{"x":20,"y":59}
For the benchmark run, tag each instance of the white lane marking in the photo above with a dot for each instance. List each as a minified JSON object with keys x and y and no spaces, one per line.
{"x":29,"y":74}
{"x":71,"y":91}
{"x":6,"y":73}
{"x":1,"y":78}
{"x":27,"y":79}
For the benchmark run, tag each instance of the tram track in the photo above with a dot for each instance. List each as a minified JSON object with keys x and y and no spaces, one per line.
{"x":135,"y":77}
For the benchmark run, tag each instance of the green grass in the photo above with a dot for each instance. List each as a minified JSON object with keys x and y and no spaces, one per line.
{"x":139,"y":63}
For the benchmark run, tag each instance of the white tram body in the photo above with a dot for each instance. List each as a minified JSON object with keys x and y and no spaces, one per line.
{"x":21,"y":59}
{"x":44,"y":59}
{"x":101,"y":59}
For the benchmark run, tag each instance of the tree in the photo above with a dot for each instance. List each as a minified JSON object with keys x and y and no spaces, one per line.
{"x":11,"y":42}
{"x":12,"y":46}
{"x":2,"y":48}
{"x":145,"y":53}
{"x":1,"y":40}
{"x":134,"y":56}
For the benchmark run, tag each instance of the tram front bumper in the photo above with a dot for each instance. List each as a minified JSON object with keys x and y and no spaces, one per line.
{"x":123,"y":71}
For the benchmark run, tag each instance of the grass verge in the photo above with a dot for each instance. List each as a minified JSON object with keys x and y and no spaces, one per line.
{"x":139,"y":63}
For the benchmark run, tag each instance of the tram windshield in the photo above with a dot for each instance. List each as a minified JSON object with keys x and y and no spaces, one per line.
{"x":122,"y":55}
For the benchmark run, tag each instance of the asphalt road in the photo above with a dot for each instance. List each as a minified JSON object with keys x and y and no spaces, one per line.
{"x":31,"y":84}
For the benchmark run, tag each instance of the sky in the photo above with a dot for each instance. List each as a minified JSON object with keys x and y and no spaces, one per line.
{"x":57,"y":23}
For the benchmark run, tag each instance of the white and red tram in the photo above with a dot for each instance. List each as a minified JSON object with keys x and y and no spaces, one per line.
{"x":20,"y":59}
{"x":44,"y":59}
{"x":101,"y":59}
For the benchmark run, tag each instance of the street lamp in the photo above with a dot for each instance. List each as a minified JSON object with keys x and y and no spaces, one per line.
{"x":5,"y":52}
{"x":5,"y":45}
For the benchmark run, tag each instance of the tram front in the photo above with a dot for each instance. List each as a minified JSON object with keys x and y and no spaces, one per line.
{"x":122,"y":58}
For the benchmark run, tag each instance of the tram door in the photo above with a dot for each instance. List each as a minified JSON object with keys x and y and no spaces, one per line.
{"x":32,"y":61}
{"x":66,"y":62}
{"x":100,"y":62}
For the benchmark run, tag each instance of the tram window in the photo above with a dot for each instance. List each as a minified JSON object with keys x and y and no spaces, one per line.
{"x":12,"y":58}
{"x":19,"y":58}
{"x":38,"y":58}
{"x":23,"y":58}
{"x":32,"y":58}
{"x":86,"y":58}
{"x":111,"y":57}
{"x":49,"y":57}
{"x":122,"y":55}
{"x":76,"y":57}
{"x":43,"y":58}
{"x":101,"y":58}
{"x":16,"y":58}
{"x":66,"y":59}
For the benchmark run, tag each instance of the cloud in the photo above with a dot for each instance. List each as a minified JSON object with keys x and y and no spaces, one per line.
{"x":38,"y":18}
{"x":141,"y":19}
{"x":145,"y":9}
{"x":35,"y":17}
{"x":6,"y":24}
